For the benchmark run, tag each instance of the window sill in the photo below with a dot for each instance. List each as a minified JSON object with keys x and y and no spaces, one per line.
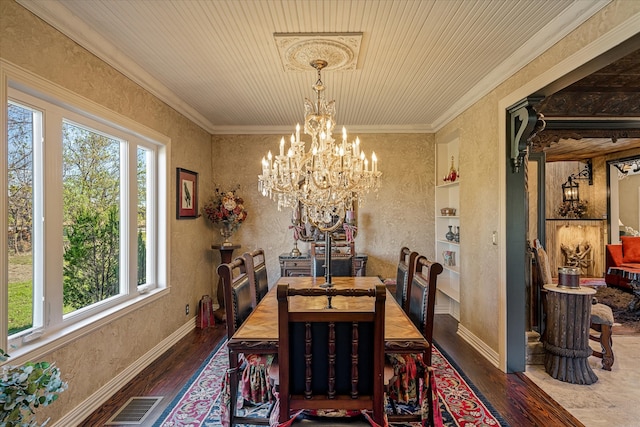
{"x":51,"y":341}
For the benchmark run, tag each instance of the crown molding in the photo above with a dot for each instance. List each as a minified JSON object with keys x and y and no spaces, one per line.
{"x":286,"y":130}
{"x":552,"y":33}
{"x":59,"y":17}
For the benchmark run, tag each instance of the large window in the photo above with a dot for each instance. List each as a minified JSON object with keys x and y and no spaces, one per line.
{"x":22,"y":121}
{"x":83,"y":217}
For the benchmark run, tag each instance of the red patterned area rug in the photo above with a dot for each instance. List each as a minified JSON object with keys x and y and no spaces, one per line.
{"x":198,"y":403}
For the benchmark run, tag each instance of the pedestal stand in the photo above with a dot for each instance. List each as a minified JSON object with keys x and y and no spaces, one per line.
{"x":567,"y":334}
{"x":327,"y":262}
{"x":226,"y":255}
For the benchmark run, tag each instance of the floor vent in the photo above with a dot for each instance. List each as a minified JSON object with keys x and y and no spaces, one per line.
{"x":135,"y":411}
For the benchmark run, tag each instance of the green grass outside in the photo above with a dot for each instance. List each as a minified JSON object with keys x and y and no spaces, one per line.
{"x":20,"y":297}
{"x":21,"y":259}
{"x":20,"y":306}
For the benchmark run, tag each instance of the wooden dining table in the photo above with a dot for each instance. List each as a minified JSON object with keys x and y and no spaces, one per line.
{"x":259,"y":333}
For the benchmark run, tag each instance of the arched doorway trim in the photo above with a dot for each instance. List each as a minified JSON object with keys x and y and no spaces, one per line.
{"x":602,"y":45}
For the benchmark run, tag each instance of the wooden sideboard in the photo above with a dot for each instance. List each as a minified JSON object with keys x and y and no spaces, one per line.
{"x":300,"y":266}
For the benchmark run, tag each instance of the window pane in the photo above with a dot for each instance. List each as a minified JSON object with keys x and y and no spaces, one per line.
{"x":91,"y":217}
{"x":20,"y":217}
{"x":143,"y":176}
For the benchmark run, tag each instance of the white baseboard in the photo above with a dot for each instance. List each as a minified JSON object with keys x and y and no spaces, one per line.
{"x":450,"y":307}
{"x":97,"y":399}
{"x":475,"y":342}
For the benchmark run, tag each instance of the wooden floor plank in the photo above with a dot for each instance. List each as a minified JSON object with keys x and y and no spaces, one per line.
{"x":518,"y":400}
{"x":164,"y":377}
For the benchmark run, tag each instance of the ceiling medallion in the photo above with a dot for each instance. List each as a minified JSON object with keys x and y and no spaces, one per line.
{"x":298,"y":50}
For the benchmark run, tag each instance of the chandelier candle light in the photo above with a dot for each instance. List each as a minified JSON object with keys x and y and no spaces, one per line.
{"x":326,"y":180}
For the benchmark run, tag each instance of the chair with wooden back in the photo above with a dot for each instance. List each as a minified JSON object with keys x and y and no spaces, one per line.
{"x":257,"y":270}
{"x":240,"y":301}
{"x":421,"y":295}
{"x":404,"y":277}
{"x":421,"y":298}
{"x":342,"y":259}
{"x":331,"y":358}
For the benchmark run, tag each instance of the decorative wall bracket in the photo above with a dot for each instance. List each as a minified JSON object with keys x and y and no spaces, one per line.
{"x":522,"y":124}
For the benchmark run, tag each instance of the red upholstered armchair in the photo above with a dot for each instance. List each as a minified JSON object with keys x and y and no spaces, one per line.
{"x":625,"y":255}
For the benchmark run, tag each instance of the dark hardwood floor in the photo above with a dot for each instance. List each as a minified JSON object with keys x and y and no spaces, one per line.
{"x":164,"y":377}
{"x":518,"y":400}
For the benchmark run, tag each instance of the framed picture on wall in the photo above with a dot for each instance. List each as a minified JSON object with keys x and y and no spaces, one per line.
{"x":186,"y":194}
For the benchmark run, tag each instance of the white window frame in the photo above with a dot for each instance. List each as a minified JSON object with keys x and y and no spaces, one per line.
{"x":57,"y":103}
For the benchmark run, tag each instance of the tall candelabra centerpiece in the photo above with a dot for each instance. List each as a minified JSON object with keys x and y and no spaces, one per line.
{"x":326,"y":179}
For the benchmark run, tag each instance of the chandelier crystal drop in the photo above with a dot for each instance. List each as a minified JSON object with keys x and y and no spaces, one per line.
{"x":329,"y":178}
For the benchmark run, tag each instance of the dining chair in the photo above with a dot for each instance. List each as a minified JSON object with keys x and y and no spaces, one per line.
{"x":240,"y":301}
{"x":257,"y":270}
{"x":421,"y":297}
{"x":413,"y":376}
{"x":404,"y":276}
{"x":331,"y":360}
{"x":342,"y":259}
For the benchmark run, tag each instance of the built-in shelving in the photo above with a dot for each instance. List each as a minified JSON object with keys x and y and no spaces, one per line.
{"x":447,"y":195}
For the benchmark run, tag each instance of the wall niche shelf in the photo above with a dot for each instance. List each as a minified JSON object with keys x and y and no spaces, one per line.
{"x":447,"y":195}
{"x":447,"y":242}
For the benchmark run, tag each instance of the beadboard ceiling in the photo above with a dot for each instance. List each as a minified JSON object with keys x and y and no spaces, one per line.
{"x":420,"y":63}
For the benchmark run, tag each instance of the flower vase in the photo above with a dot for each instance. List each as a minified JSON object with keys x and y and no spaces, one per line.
{"x":226,"y":232}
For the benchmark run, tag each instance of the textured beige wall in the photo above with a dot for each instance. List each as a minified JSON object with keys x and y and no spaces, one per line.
{"x":479,"y":161}
{"x":91,"y":361}
{"x":400,"y":215}
{"x":479,"y":217}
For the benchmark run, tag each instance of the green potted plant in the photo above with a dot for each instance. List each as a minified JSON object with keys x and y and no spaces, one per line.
{"x":25,"y":388}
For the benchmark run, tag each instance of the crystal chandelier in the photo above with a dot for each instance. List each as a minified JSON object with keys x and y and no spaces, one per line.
{"x":329,"y":178}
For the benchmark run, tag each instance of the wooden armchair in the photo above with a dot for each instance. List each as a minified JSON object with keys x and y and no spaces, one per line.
{"x":404,"y":277}
{"x":257,"y":271}
{"x":421,"y":296}
{"x":331,"y":358}
{"x":240,"y":301}
{"x":342,"y":259}
{"x":407,"y":381}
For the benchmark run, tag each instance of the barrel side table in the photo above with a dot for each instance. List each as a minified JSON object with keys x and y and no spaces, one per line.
{"x":566,"y":340}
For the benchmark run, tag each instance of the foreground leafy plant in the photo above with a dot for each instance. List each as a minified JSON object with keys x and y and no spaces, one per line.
{"x":25,"y":388}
